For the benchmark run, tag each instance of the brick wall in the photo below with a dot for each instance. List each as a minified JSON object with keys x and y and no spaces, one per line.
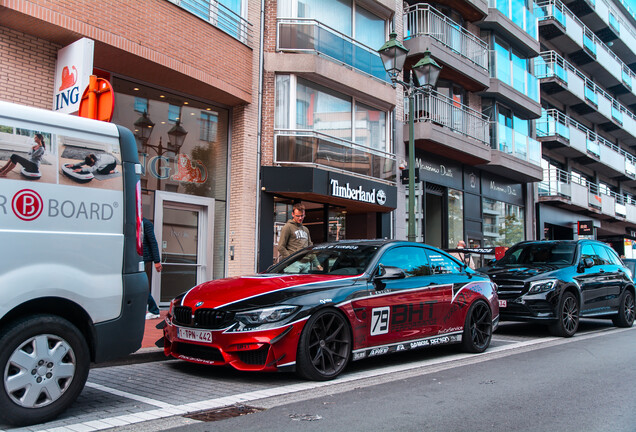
{"x":27,"y":69}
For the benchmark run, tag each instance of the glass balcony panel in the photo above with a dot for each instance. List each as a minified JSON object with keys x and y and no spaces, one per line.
{"x":617,"y":114}
{"x":630,"y":167}
{"x":594,"y":147}
{"x":306,"y":147}
{"x":627,"y":77}
{"x":589,"y":43}
{"x":521,"y":146}
{"x":310,"y":35}
{"x":590,"y":94}
{"x":614,"y":23}
{"x":534,"y":151}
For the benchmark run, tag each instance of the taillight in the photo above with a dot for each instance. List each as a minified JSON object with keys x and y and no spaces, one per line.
{"x":138,"y":228}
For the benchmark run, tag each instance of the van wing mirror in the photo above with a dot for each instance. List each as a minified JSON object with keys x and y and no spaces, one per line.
{"x":389,"y":272}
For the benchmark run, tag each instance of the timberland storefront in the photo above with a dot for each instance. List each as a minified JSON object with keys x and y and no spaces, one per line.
{"x":338,"y":206}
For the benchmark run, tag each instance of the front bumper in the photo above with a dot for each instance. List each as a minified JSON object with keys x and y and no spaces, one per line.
{"x":536,"y":307}
{"x":272,"y":349}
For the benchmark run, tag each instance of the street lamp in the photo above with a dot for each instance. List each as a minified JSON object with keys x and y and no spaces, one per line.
{"x":393,"y":55}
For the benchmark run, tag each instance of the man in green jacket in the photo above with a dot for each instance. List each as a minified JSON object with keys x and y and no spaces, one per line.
{"x":294,"y":235}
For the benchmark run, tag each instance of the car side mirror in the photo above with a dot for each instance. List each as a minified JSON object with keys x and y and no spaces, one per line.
{"x":586,"y":263}
{"x":389,"y":272}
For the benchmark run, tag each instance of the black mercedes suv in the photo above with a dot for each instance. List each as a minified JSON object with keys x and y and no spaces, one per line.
{"x":556,"y":282}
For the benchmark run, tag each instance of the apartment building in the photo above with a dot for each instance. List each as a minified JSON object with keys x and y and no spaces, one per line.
{"x":185,"y":78}
{"x":587,"y":126}
{"x":474,"y":134}
{"x":329,"y":120}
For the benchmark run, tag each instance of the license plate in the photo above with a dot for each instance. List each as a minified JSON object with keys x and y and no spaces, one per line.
{"x":194,"y":335}
{"x":503,"y":303}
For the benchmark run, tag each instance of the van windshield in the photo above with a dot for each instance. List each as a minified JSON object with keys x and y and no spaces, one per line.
{"x":539,"y":253}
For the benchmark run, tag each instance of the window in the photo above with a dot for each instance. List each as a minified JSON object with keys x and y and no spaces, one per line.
{"x":503,"y":223}
{"x":442,"y":264}
{"x":174,"y":113}
{"x":370,"y":127}
{"x":455,"y":216}
{"x":412,"y":260}
{"x":369,"y":28}
{"x":587,"y":251}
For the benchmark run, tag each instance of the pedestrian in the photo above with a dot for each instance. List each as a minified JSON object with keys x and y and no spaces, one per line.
{"x":294,"y":236}
{"x":463,"y":257}
{"x":31,"y":165}
{"x":151,"y":255}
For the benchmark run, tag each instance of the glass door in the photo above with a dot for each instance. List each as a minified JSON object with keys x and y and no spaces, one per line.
{"x":184,"y":228}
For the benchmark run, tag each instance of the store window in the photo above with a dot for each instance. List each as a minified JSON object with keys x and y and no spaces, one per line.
{"x":455,"y":217}
{"x":197,"y":166}
{"x":503,"y":223}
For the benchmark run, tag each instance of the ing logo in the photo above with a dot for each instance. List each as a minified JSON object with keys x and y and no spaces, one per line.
{"x":27,"y":205}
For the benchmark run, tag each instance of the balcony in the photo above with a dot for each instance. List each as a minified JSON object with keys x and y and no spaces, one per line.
{"x":561,"y":189}
{"x":219,"y":16}
{"x":464,"y":55}
{"x":310,"y":148}
{"x":445,"y":127}
{"x":564,"y":29}
{"x":514,"y":86}
{"x":571,"y":139}
{"x":560,"y":79}
{"x":523,"y":34}
{"x":515,"y":155}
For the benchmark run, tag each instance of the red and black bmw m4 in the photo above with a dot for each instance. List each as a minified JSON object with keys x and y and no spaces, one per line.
{"x":331,"y":303}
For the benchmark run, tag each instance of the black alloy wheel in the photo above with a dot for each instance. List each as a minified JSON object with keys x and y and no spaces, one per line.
{"x":477,"y":328}
{"x":324,"y":347}
{"x":626,"y":313}
{"x":567,"y":316}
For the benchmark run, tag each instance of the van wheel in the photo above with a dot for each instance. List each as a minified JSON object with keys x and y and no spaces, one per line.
{"x":567,"y":314}
{"x":44,"y":362}
{"x":625,"y":316}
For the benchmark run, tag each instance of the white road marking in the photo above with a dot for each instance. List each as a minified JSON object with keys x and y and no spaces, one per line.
{"x":168,"y":410}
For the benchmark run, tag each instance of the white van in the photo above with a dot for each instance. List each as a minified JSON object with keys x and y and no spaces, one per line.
{"x":72,"y":286}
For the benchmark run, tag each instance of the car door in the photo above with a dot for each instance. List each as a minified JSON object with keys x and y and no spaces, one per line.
{"x":404,"y":309}
{"x":592,"y":280}
{"x":614,"y":273}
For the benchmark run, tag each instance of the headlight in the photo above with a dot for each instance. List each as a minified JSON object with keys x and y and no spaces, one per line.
{"x":265,"y":315}
{"x":542,"y":286}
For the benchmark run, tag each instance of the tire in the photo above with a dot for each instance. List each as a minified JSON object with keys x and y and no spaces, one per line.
{"x":625,"y":316}
{"x":324,"y":347}
{"x":567,"y":316}
{"x":477,"y":328}
{"x":44,"y":362}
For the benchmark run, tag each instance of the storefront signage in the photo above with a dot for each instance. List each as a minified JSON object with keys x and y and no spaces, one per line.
{"x":438,"y":171}
{"x":472,"y":180}
{"x":360,"y":190}
{"x":72,"y":70}
{"x":585,"y":227}
{"x":501,"y":190}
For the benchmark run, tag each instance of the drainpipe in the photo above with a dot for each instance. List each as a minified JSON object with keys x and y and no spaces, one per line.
{"x":259,"y":133}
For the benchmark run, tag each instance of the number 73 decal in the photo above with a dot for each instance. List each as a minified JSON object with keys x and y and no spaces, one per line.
{"x":380,"y":320}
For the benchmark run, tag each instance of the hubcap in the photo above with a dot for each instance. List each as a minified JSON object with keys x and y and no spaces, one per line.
{"x":39,"y":371}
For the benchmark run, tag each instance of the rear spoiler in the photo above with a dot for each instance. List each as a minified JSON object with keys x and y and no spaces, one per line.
{"x":497,"y":251}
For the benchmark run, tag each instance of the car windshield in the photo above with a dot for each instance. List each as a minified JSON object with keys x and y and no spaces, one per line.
{"x":328,"y":259}
{"x":539,"y":253}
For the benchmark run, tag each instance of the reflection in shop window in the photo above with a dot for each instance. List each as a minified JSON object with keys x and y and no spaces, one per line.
{"x":455,"y":217}
{"x":141,"y":105}
{"x":209,"y":123}
{"x":173,"y":112}
{"x":503,"y":223}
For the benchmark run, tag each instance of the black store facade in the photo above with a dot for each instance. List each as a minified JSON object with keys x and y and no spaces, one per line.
{"x":468,"y":204}
{"x":338,"y":206}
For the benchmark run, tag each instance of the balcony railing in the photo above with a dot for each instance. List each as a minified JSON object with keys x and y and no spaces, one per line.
{"x":424,"y":20}
{"x":518,"y":13}
{"x":549,"y":64}
{"x":307,"y":147}
{"x":437,"y":108}
{"x":219,"y":16}
{"x":555,"y":123}
{"x":515,"y":76}
{"x":555,"y":9}
{"x":517,"y":144}
{"x":309,"y":35}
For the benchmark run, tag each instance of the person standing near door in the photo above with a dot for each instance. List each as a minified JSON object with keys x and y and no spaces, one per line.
{"x":294,"y":236}
{"x":151,"y":255}
{"x":463,"y":257}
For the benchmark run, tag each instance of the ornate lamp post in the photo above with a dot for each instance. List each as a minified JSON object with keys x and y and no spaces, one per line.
{"x":393,"y":55}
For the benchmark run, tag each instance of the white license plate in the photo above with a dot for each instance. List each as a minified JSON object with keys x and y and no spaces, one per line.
{"x":503,"y":303}
{"x":194,"y":335}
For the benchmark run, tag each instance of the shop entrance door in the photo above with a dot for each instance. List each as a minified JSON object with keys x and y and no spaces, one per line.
{"x":184,"y":230}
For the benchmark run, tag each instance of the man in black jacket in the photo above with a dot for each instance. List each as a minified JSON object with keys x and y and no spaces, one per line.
{"x":151,"y":254}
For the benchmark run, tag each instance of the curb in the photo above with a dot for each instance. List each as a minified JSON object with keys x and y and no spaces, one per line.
{"x":143,"y":355}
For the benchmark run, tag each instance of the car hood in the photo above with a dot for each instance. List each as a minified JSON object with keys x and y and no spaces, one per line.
{"x":520,"y":272}
{"x":221,"y":292}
